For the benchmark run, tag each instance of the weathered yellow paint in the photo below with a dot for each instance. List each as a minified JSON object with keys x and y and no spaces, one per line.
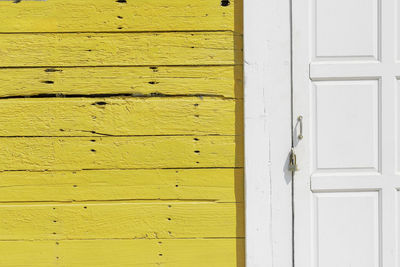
{"x":122,"y":49}
{"x":120,"y":220}
{"x":136,"y":252}
{"x":223,"y":81}
{"x":109,"y":15}
{"x":76,"y":153}
{"x":130,"y":150}
{"x":118,"y":116}
{"x":216,"y":185}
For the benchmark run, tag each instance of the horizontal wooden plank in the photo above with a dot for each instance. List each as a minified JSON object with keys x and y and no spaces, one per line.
{"x":139,"y":252}
{"x":122,"y":49}
{"x":221,"y":185}
{"x":209,"y":80}
{"x":119,"y":116}
{"x":110,"y":15}
{"x":76,"y":153}
{"x":121,"y":220}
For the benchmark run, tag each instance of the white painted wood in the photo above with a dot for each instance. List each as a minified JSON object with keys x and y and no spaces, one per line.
{"x":345,"y":125}
{"x":345,"y":76}
{"x":354,"y":21}
{"x":397,"y":104}
{"x":267,"y":133}
{"x":347,"y":229}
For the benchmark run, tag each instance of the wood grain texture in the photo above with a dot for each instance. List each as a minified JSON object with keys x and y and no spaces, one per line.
{"x":119,"y":116}
{"x":209,"y":80}
{"x":121,"y":220}
{"x":70,"y":153}
{"x":167,"y":188}
{"x":220,"y":185}
{"x":111,"y":253}
{"x":122,"y":49}
{"x":109,"y":15}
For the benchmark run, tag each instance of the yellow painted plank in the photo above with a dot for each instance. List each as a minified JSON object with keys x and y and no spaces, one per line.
{"x":210,"y":80}
{"x":139,"y":252}
{"x":122,"y":49}
{"x":109,"y":15}
{"x":119,"y":116}
{"x":222,"y":185}
{"x":121,"y":220}
{"x":70,"y":153}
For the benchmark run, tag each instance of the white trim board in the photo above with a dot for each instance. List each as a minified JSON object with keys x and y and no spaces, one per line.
{"x":267,"y":133}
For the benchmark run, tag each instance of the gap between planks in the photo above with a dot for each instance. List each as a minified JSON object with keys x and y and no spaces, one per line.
{"x":119,"y":96}
{"x":122,"y":169}
{"x":102,"y":135}
{"x":122,"y":32}
{"x":138,"y":238}
{"x":116,"y":201}
{"x":121,"y":66}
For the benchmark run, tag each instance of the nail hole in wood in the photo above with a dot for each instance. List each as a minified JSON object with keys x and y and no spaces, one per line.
{"x":52,"y":70}
{"x":47,"y":82}
{"x":225,"y":2}
{"x":99,"y":103}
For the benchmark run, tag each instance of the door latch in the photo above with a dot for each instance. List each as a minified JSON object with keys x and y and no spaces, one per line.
{"x":293,"y":161}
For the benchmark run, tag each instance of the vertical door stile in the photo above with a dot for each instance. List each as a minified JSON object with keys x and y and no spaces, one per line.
{"x":387,"y":136}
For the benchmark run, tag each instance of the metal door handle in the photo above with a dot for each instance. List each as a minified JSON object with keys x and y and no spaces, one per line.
{"x":300,"y":120}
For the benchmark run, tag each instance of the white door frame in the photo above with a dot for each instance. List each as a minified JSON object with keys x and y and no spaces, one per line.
{"x":267,"y":96}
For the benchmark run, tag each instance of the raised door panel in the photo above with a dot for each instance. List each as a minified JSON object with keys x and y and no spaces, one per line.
{"x":346,"y":28}
{"x":346,"y":125}
{"x":347,"y":229}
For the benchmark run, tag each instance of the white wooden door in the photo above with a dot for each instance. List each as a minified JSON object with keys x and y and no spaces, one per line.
{"x":346,"y":85}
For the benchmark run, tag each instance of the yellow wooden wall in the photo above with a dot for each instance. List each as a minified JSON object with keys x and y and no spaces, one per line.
{"x":121,"y":135}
